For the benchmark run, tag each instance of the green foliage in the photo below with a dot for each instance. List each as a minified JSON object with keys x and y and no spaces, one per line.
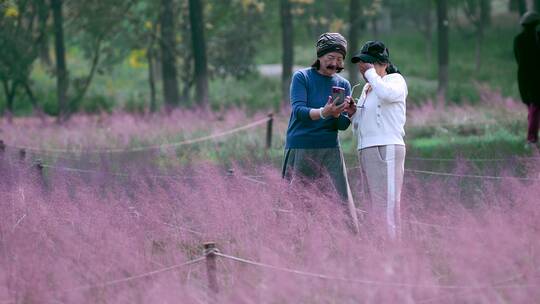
{"x":135,"y":104}
{"x":49,"y":103}
{"x":231,"y":45}
{"x":240,"y":34}
{"x":20,"y":35}
{"x":96,"y":104}
{"x":257,"y":93}
{"x":17,"y":51}
{"x":420,"y":90}
{"x":99,"y":26}
{"x":407,"y":51}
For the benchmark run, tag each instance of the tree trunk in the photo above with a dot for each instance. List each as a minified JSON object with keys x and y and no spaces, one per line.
{"x":151,"y":79}
{"x":484,"y":21}
{"x":196,"y":18}
{"x":60,"y":52}
{"x":522,"y":7}
{"x":479,"y":41}
{"x":442,"y":37}
{"x":287,"y":49}
{"x":519,"y":6}
{"x":38,"y":110}
{"x":485,"y":12}
{"x":424,"y":23}
{"x":81,"y":91}
{"x":375,"y":27}
{"x":10,"y":90}
{"x":168,"y":59}
{"x":428,"y":31}
{"x":43,"y":39}
{"x":187,"y":77}
{"x":355,"y":17}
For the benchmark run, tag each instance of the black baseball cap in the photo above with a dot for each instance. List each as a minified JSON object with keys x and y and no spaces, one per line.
{"x":371,"y":52}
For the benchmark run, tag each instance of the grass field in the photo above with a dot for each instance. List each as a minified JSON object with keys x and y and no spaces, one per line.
{"x":119,"y":227}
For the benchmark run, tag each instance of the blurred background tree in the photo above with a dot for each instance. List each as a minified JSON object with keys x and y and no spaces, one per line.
{"x":285,"y":9}
{"x":91,"y":27}
{"x":442,"y":38}
{"x":478,"y":13}
{"x":21,"y":38}
{"x":196,"y":18}
{"x":168,"y":43}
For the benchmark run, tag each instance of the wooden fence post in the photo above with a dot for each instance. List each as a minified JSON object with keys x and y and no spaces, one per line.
{"x":269,"y":130}
{"x":211,"y":269}
{"x":39,"y":166}
{"x":22,"y":154}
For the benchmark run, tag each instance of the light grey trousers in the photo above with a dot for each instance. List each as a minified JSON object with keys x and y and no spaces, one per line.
{"x":382,"y":169}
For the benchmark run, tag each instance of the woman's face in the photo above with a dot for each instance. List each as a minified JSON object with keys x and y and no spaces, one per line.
{"x":380,"y":68}
{"x":330,"y":63}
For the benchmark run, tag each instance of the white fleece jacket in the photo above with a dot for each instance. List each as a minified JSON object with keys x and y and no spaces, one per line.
{"x":380,"y":116}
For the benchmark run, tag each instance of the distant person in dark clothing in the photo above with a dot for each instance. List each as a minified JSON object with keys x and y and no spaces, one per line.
{"x":527,"y":53}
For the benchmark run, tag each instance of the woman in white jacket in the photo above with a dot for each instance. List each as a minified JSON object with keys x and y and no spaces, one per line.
{"x":379,"y":127}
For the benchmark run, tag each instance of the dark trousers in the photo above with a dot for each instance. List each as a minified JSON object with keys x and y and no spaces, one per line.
{"x":534,"y":123}
{"x":314,"y":163}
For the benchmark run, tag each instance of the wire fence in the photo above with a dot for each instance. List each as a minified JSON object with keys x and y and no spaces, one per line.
{"x":365,"y":281}
{"x":486,"y":177}
{"x":255,"y":179}
{"x":500,"y":159}
{"x":447,"y":174}
{"x":268,"y":120}
{"x":211,"y":252}
{"x":121,"y":280}
{"x":134,"y":277}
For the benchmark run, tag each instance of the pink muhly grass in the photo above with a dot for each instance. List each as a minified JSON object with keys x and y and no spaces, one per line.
{"x":120,"y":130}
{"x":463,"y":241}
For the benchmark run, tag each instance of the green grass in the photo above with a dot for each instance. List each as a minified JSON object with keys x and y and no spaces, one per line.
{"x":501,"y":143}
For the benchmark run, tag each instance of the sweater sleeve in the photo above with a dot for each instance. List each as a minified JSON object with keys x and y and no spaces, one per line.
{"x":298,"y":94}
{"x":347,"y":88}
{"x":343,"y":122}
{"x":392,"y":89}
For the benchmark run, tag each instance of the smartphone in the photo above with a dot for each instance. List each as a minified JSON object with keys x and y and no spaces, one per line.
{"x":338,"y":95}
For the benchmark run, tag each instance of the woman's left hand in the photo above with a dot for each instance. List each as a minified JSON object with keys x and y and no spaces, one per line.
{"x":364,"y":66}
{"x":350,"y":109}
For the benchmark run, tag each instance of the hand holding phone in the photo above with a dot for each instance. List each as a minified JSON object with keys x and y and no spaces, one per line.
{"x":338,"y":95}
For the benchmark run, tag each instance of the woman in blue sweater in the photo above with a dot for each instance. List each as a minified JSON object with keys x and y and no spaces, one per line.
{"x":312,"y":146}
